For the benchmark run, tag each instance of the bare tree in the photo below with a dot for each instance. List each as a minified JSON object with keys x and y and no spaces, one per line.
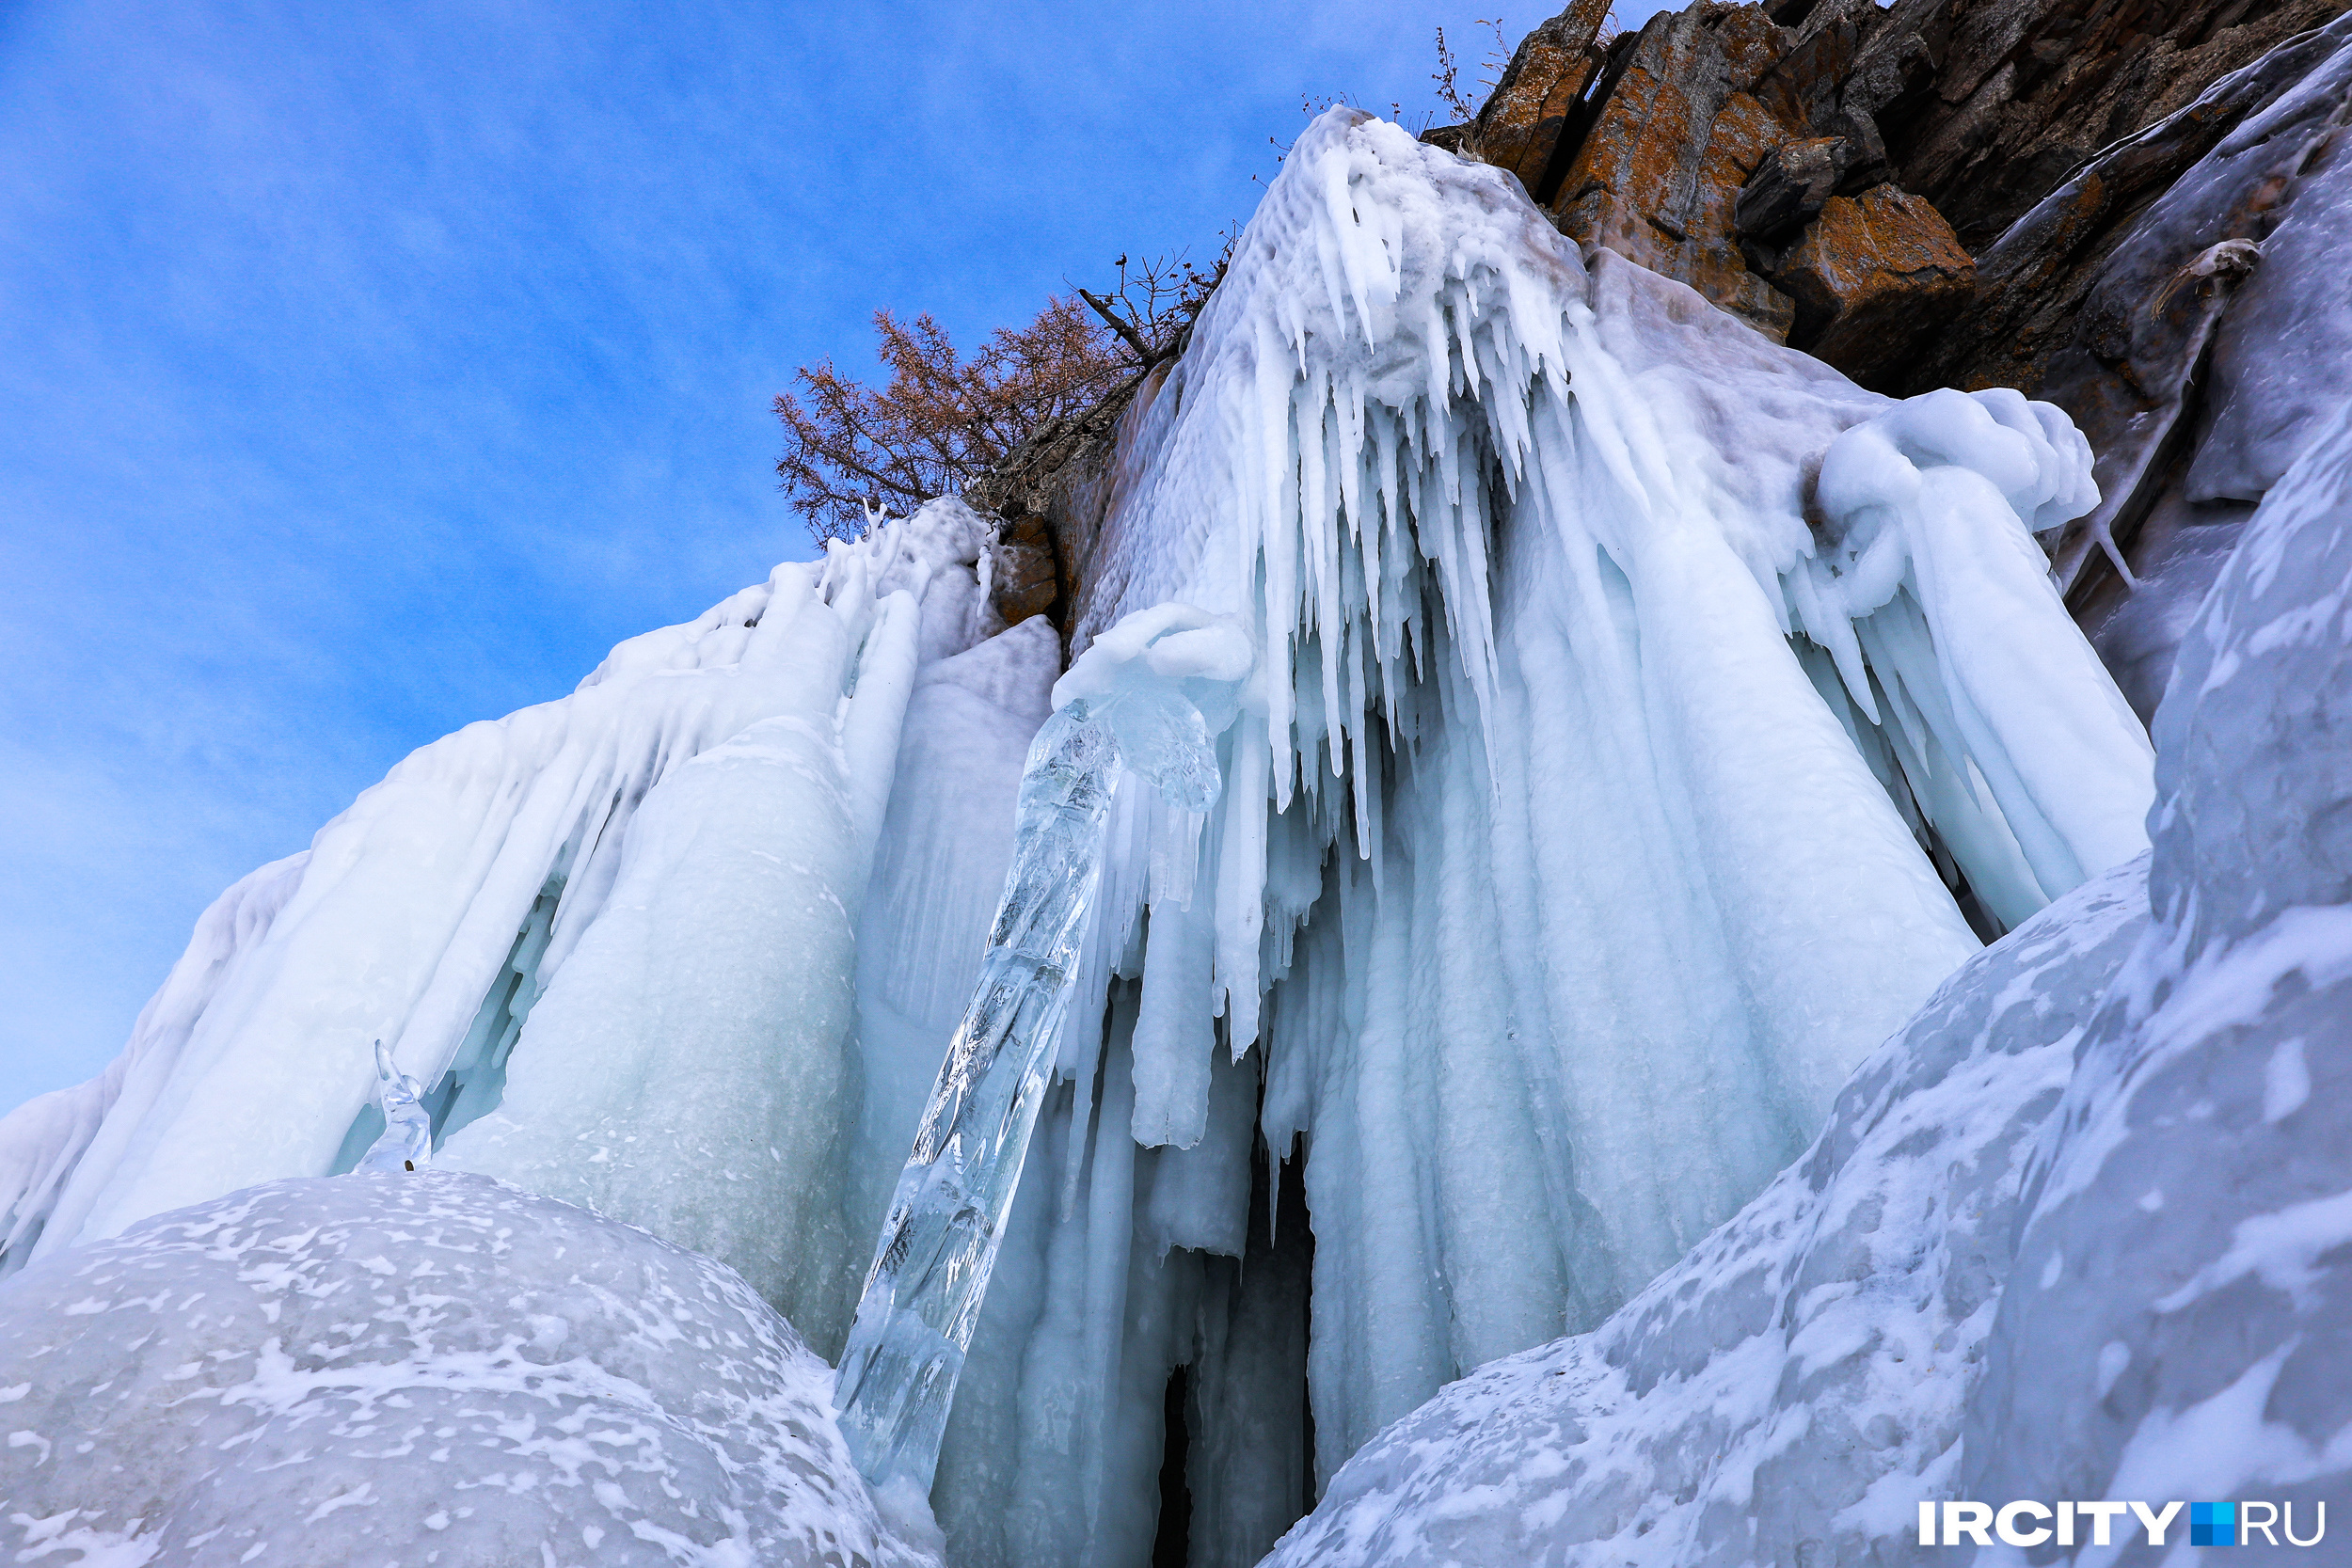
{"x":942,"y":421}
{"x":1156,"y":301}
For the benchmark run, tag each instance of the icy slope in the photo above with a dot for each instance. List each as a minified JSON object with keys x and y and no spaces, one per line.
{"x":2180,"y":1318}
{"x":426,"y":1368}
{"x":2077,"y":1231}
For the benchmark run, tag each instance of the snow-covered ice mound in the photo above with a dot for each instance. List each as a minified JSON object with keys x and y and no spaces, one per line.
{"x":2178,"y":1320}
{"x":2081,"y":1229}
{"x":436,"y":1367}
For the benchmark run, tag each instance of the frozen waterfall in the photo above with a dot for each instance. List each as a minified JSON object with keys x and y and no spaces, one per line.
{"x":1646,"y":720}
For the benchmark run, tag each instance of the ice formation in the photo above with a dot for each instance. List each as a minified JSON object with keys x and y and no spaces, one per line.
{"x":1139,"y":700}
{"x":1630,"y":679}
{"x":1647,"y":720}
{"x":406,"y":1142}
{"x":622,"y":919}
{"x":387,"y":1368}
{"x":1803,"y":1374}
{"x":2074,"y":1232}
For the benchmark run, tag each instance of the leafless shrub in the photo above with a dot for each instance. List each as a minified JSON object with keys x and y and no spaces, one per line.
{"x":942,"y":421}
{"x":1448,"y":76}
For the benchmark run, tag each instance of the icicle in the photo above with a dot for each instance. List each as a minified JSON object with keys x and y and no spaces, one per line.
{"x":1149,"y":694}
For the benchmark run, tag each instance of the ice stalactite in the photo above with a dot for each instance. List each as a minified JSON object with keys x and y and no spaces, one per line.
{"x":1149,"y":697}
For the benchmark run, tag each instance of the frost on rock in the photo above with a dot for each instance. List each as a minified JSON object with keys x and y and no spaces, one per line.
{"x":2079,"y":1231}
{"x":428,"y":1367}
{"x":2216,"y":344}
{"x":2179,"y":1319}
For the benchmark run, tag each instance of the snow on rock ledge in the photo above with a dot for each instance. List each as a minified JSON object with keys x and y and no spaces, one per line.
{"x":434,"y":1367}
{"x":2180,"y":1319}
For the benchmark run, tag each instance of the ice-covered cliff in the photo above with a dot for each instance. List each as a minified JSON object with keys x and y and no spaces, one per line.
{"x":1648,"y":720}
{"x":2077,"y":1231}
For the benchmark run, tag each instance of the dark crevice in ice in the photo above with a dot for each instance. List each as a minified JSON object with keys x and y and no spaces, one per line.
{"x":1172,"y":1546}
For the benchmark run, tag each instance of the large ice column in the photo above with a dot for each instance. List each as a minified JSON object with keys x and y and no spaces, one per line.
{"x":709,"y":796}
{"x":1650,"y":713}
{"x":1147,"y":698}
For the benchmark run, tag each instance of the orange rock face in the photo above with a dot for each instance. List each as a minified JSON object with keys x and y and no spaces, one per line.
{"x":1871,"y":276}
{"x":1522,"y":121}
{"x":1654,"y":178}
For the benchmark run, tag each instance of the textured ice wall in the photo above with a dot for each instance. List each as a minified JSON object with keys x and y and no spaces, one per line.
{"x":415,"y":1369}
{"x":653,"y":882}
{"x":2079,"y":1231}
{"x":1787,"y":1392}
{"x":2179,"y":1321}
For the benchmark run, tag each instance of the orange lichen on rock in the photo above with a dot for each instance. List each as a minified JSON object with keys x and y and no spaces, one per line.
{"x":1654,"y":178}
{"x":1521,"y":122}
{"x":1871,"y":276}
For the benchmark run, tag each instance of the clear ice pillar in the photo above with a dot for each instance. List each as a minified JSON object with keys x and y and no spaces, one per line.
{"x":406,"y":1143}
{"x":1151,"y":693}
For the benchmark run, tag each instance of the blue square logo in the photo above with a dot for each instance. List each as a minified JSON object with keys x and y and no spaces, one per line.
{"x":2213,"y":1524}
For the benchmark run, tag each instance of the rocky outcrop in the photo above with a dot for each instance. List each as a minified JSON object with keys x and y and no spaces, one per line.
{"x":1795,"y":181}
{"x":1049,"y":497}
{"x":1673,"y":136}
{"x":1539,"y":92}
{"x":1708,"y":147}
{"x":2185,"y":296}
{"x":1872,"y":275}
{"x":1986,"y":107}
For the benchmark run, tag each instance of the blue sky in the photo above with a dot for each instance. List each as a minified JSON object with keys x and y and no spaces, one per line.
{"x":366,"y":370}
